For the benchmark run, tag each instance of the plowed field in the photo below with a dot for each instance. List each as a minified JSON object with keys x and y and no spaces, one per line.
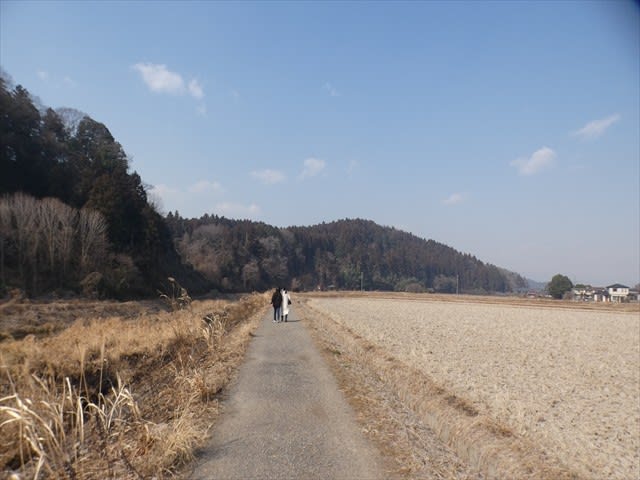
{"x":566,"y":380}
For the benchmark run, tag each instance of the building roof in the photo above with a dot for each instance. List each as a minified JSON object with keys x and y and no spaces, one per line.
{"x":617,"y":285}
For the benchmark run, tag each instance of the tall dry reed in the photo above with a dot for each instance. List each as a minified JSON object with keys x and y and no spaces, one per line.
{"x":117,"y":397}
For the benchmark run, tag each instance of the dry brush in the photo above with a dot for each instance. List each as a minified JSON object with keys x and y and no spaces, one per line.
{"x":119,"y":397}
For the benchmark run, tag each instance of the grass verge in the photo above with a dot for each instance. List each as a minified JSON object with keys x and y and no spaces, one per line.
{"x":120,"y":397}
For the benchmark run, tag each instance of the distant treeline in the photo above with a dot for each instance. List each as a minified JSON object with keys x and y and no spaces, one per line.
{"x":73,"y":217}
{"x":347,"y":254}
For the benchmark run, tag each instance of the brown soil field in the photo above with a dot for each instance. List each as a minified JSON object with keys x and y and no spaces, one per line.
{"x":553,"y":384}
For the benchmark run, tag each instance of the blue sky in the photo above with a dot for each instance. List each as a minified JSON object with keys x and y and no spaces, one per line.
{"x":508,"y":130}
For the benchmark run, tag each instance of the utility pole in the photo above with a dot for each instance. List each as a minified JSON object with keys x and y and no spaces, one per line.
{"x":457,"y":284}
{"x":361,"y":282}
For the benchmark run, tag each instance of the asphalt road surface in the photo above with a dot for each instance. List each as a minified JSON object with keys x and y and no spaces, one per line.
{"x":285,"y":417}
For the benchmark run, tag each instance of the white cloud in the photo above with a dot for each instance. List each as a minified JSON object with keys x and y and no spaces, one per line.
{"x":185,"y":198}
{"x":162,"y":195}
{"x":268,"y":177}
{"x":237,"y":210}
{"x":68,"y":81}
{"x":195,"y":89}
{"x":331,"y":89}
{"x":312,"y":167}
{"x":353,"y":166}
{"x":201,"y":110}
{"x":160,"y":79}
{"x":54,"y":80}
{"x":455,"y":199}
{"x":540,"y":160}
{"x":596,"y":128}
{"x":198,"y":197}
{"x":205,"y":186}
{"x":163,"y":190}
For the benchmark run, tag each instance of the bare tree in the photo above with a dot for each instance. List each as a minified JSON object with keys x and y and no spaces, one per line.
{"x":49,"y":226}
{"x":25,"y":215}
{"x":56,"y":225}
{"x":92,"y":232}
{"x":250,"y":274}
{"x":67,"y":218}
{"x":39,"y":237}
{"x":5,"y":234}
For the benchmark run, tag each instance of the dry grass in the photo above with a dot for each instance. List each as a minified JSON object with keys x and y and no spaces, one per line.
{"x":20,"y":317}
{"x":119,"y":397}
{"x":517,"y":392}
{"x":409,"y":447}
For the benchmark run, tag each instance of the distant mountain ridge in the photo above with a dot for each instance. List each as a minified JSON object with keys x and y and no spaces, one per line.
{"x":344,"y":254}
{"x":535,"y":285}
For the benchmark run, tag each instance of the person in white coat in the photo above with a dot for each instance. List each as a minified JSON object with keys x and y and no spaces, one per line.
{"x":286,"y":301}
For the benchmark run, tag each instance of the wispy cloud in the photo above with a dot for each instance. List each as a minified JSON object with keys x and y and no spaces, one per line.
{"x":162,"y":195}
{"x":596,"y":128}
{"x":160,"y":79}
{"x":268,"y":177}
{"x":237,"y":210}
{"x":540,"y":160}
{"x":205,"y":186}
{"x":331,"y":89}
{"x":455,"y":199}
{"x":197,"y":193}
{"x":352,"y":167}
{"x":312,"y":167}
{"x":195,"y":89}
{"x":54,"y":80}
{"x":163,"y":190}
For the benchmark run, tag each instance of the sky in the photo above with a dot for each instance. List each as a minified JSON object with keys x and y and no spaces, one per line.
{"x":507,"y":130}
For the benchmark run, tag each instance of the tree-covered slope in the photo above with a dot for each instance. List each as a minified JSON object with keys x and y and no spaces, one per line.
{"x":346,"y":254}
{"x":86,"y":169}
{"x":67,"y":156}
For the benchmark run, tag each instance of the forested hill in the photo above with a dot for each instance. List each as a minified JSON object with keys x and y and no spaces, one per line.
{"x":246,"y":255}
{"x":72,"y":215}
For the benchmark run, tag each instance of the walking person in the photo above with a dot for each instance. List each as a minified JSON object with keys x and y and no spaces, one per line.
{"x":276,"y":301}
{"x":286,"y":301}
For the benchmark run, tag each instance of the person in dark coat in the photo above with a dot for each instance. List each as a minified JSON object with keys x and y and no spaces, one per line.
{"x":276,"y":301}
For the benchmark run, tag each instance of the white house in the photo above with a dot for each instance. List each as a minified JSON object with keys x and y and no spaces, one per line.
{"x":583,"y":293}
{"x":618,"y":292}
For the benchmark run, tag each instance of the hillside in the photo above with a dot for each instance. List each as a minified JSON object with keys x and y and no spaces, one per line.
{"x":74,"y":217}
{"x":346,"y":254}
{"x":72,"y":214}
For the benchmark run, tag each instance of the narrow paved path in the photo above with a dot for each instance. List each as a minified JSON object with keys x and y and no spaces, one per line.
{"x":285,"y":417}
